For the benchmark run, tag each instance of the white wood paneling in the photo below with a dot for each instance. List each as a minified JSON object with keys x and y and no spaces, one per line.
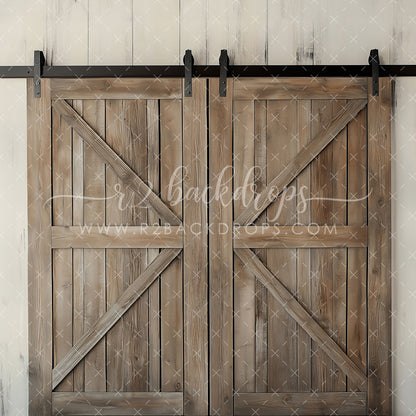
{"x":158,"y":32}
{"x":110,"y":32}
{"x":67,"y":32}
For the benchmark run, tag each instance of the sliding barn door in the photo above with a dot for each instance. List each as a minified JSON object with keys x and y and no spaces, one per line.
{"x":209,"y":255}
{"x":299,"y":262}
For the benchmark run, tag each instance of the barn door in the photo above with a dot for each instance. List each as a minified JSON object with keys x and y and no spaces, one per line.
{"x":208,"y":255}
{"x":299,"y":262}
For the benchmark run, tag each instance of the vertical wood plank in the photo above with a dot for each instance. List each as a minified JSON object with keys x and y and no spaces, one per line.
{"x":379,"y":251}
{"x":114,"y":257}
{"x":338,"y":215}
{"x":304,"y":255}
{"x":249,"y":32}
{"x":260,"y":181}
{"x":156,"y":28}
{"x":153,"y":174}
{"x":94,"y":259}
{"x":62,"y":258}
{"x":244,"y":282}
{"x":357,"y":257}
{"x":193,"y":29}
{"x":321,"y":262}
{"x":78,"y":254}
{"x":39,"y":250}
{"x":126,"y":134}
{"x":282,"y":329}
{"x":171,"y":279}
{"x":195,"y":252}
{"x":110,"y":32}
{"x":220,"y":250}
{"x":67,"y":32}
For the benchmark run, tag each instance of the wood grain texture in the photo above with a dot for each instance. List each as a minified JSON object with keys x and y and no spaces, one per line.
{"x":282,"y":329}
{"x":321,"y":259}
{"x":261,"y":295}
{"x":171,"y":291}
{"x":379,"y":251}
{"x":221,"y":251}
{"x":303,"y":272}
{"x":357,"y":257}
{"x":195,"y":253}
{"x":126,"y":135}
{"x":117,"y":237}
{"x":117,"y":88}
{"x":318,"y":404}
{"x":244,"y":282}
{"x":39,"y":249}
{"x":105,"y":19}
{"x":106,"y":321}
{"x":302,"y":159}
{"x":272,"y":236}
{"x":297,"y":89}
{"x":94,"y":259}
{"x":153,"y":175}
{"x":62,"y":259}
{"x":119,"y":403}
{"x":78,"y":280}
{"x":123,"y":171}
{"x":302,"y":317}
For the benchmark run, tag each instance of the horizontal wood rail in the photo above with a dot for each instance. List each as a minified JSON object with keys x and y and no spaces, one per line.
{"x":117,"y":403}
{"x":275,"y":404}
{"x":119,"y":236}
{"x":300,"y":236}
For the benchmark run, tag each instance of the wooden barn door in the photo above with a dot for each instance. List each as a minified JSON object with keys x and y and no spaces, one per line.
{"x":208,"y":255}
{"x":299,"y":285}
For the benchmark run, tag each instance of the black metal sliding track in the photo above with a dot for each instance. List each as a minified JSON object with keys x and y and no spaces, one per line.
{"x":177,"y":71}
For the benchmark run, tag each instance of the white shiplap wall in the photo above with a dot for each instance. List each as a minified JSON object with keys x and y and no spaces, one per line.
{"x":157,"y":32}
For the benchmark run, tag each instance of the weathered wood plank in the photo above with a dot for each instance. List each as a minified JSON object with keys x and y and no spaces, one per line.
{"x":113,"y":314}
{"x":78,"y":254}
{"x":117,"y":88}
{"x":299,"y":236}
{"x":244,"y":282}
{"x":39,"y":249}
{"x":318,"y":404}
{"x":221,"y":251}
{"x":379,"y":251}
{"x":357,"y":257}
{"x":62,"y":259}
{"x":299,"y":89}
{"x":303,"y":271}
{"x":123,"y":171}
{"x":299,"y":313}
{"x":94,"y":259}
{"x":114,"y":236}
{"x":126,"y":135}
{"x":195,"y":252}
{"x":338,"y":215}
{"x":282,"y":329}
{"x":298,"y":164}
{"x":261,"y":295}
{"x":321,"y":259}
{"x":117,"y":403}
{"x":153,"y":175}
{"x":171,"y":280}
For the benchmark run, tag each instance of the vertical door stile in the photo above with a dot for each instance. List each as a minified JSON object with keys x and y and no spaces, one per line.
{"x":195,"y":251}
{"x":220,"y":250}
{"x":379,"y":250}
